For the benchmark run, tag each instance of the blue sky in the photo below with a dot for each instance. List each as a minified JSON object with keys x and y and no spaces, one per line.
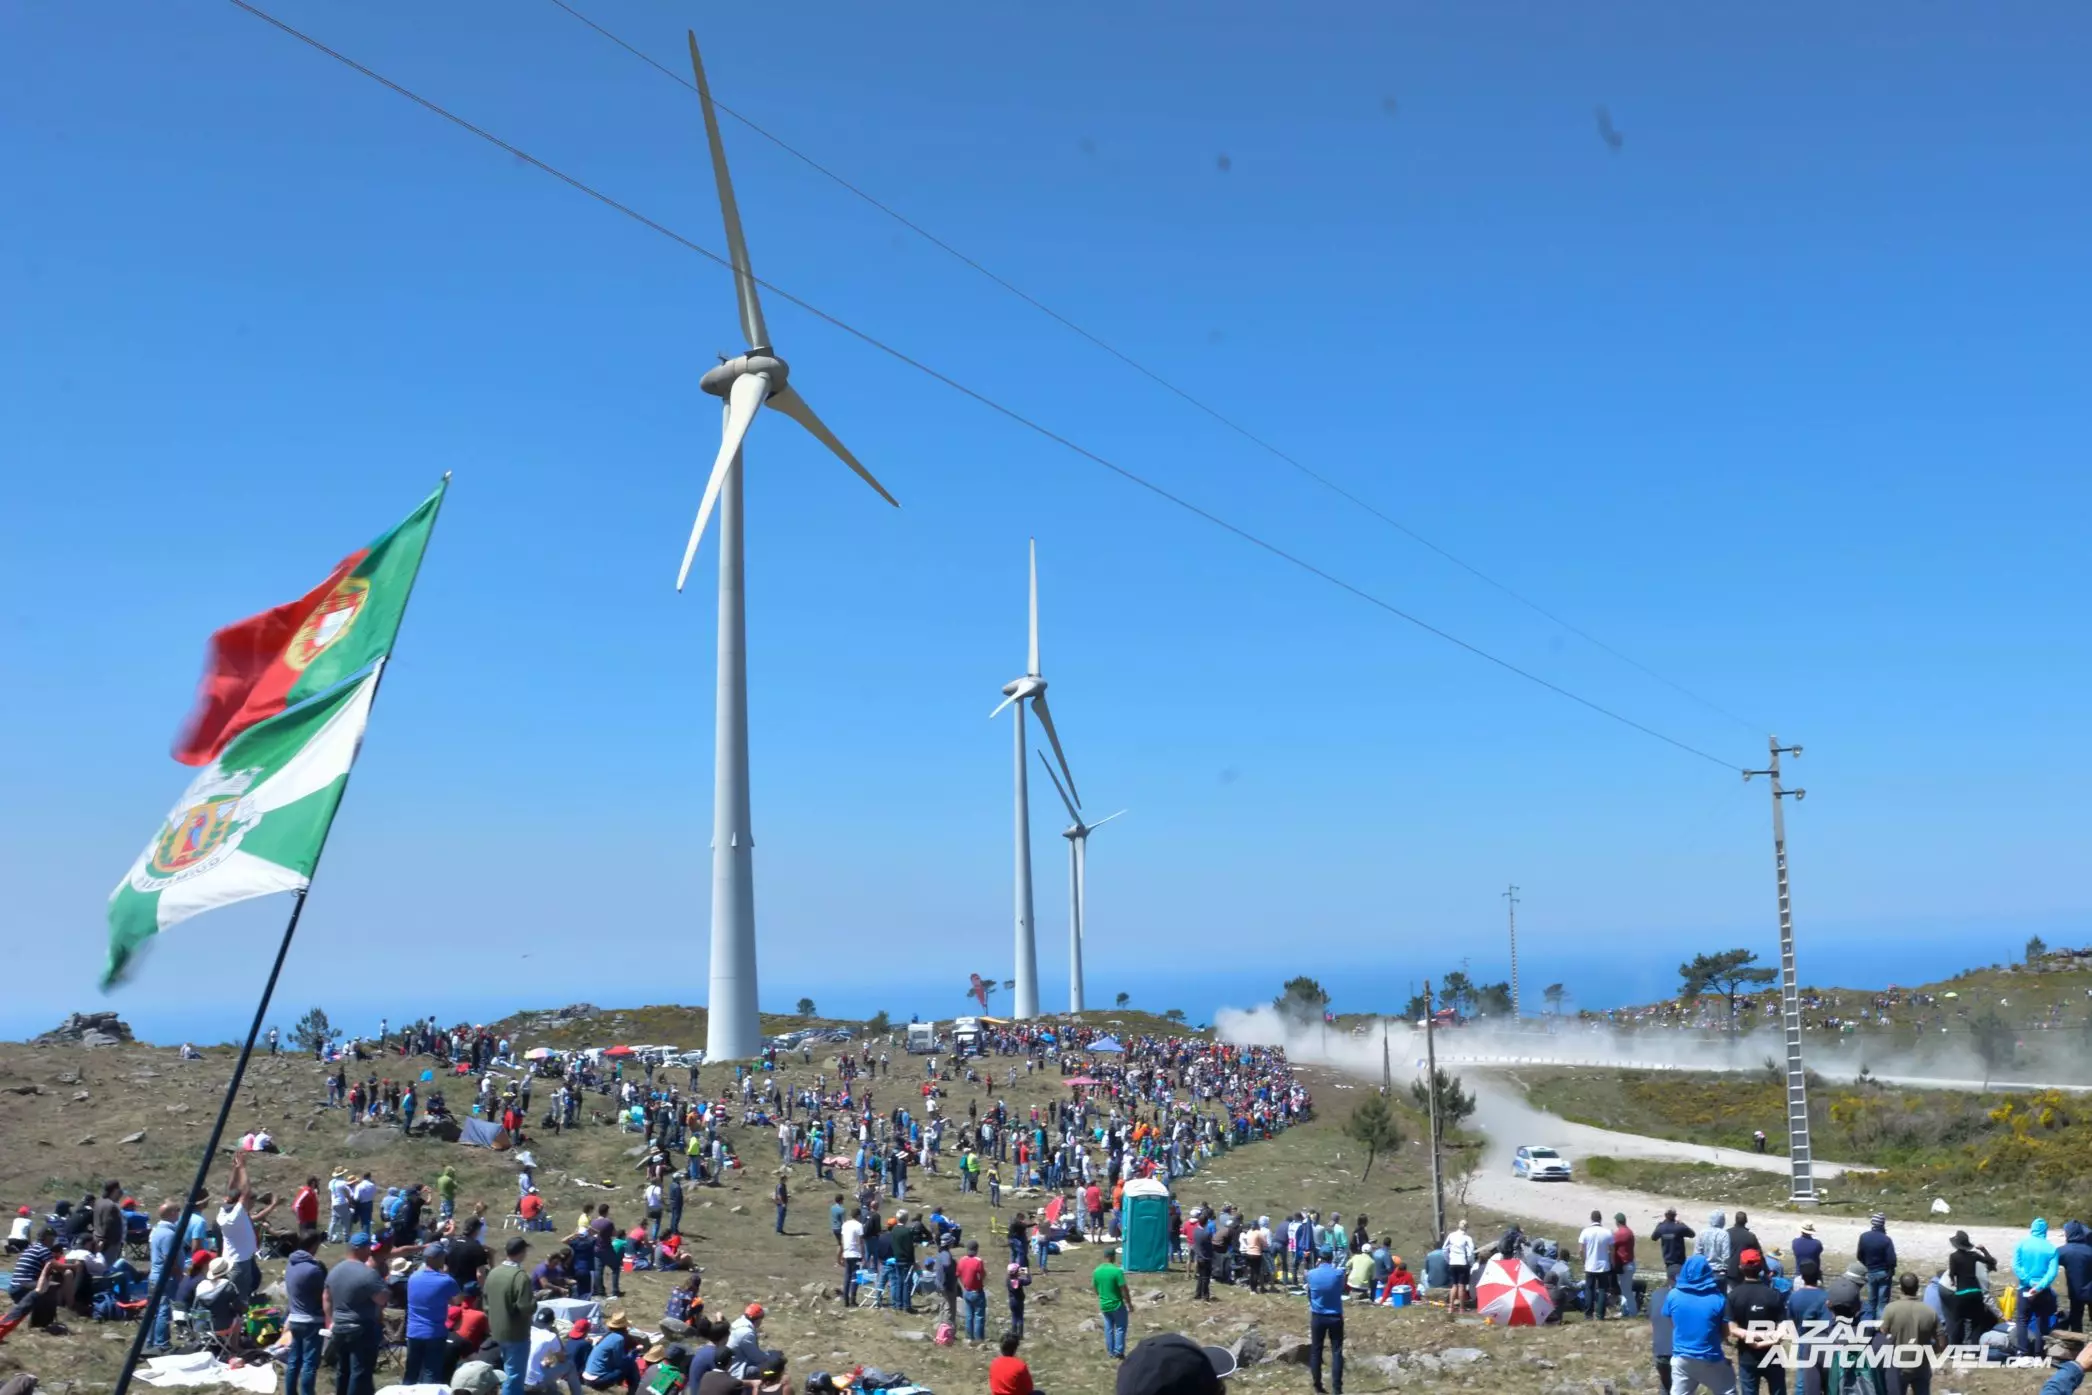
{"x":1785,"y":398}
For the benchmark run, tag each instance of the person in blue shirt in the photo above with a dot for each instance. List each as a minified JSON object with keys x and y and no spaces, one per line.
{"x":429,"y":1293}
{"x":2074,"y":1257}
{"x":1325,"y":1290}
{"x":162,"y":1248}
{"x":1698,"y":1314}
{"x":2034,"y":1266}
{"x":615,"y":1359}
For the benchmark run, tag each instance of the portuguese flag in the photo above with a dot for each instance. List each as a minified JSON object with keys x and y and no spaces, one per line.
{"x":251,"y":824}
{"x":259,"y":666}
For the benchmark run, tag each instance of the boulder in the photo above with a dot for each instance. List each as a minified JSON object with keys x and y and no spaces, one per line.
{"x":1088,"y":1325}
{"x":1288,"y":1351}
{"x":138,"y":1137}
{"x":1388,"y":1366}
{"x":1423,"y":1361}
{"x":87,"y":1029}
{"x":911,"y":1334}
{"x":1462,"y":1356}
{"x":1153,"y":1297}
{"x":1249,"y":1348}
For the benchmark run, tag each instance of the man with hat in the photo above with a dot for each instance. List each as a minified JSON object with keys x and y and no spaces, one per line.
{"x":340,"y":1206}
{"x":615,"y":1358}
{"x":1808,"y":1252}
{"x":510,"y":1304}
{"x":1877,"y":1257}
{"x":354,"y":1300}
{"x":1173,"y":1364}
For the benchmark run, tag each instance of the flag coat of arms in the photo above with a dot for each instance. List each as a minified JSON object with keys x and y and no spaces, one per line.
{"x":251,"y":824}
{"x":262,"y":665}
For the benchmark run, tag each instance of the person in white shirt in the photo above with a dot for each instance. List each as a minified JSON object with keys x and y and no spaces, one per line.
{"x":236,"y":1224}
{"x":338,"y":1208}
{"x":851,"y":1254}
{"x":1460,"y":1266}
{"x":1597,"y":1242}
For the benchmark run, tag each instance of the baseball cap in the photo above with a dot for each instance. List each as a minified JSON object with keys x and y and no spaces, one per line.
{"x":753,"y":1312}
{"x":360,"y":1240}
{"x":1751,"y":1259}
{"x":517,"y":1246}
{"x":1173,"y":1364}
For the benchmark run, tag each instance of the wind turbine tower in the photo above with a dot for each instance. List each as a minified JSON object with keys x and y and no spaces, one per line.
{"x":1018,"y":691}
{"x":1078,"y":836}
{"x":755,"y":379}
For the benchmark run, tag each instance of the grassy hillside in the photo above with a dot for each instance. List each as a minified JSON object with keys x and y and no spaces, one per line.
{"x":1990,"y":1157}
{"x":58,"y":1145}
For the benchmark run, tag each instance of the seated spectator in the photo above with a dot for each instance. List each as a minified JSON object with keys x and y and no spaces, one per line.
{"x":554,"y":1277}
{"x":1008,"y":1374}
{"x":615,"y":1360}
{"x":684,"y":1304}
{"x":18,"y":1232}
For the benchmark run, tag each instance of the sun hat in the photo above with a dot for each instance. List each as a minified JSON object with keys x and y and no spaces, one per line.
{"x":619,"y":1323}
{"x":221,"y":1268}
{"x":1808,"y":1227}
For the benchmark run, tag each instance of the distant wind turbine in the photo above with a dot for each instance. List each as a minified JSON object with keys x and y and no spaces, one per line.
{"x":1030,"y":688}
{"x":1078,"y":836}
{"x":756,"y":379}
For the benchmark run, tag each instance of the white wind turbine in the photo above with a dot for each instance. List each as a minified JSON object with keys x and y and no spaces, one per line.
{"x":754,"y":380}
{"x":1032,"y":688}
{"x":1078,"y":836}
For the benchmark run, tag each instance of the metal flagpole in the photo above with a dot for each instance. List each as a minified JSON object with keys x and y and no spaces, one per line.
{"x":190,"y":1201}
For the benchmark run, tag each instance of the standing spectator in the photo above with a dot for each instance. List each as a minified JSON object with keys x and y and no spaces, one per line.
{"x":429,"y":1294}
{"x":1597,"y":1242}
{"x":1112,"y":1304}
{"x":1741,"y":1238}
{"x":108,"y":1225}
{"x":510,"y":1305}
{"x":353,"y":1301}
{"x":1623,"y":1265}
{"x":341,"y":1214}
{"x":446,"y":1193}
{"x":1757,"y":1314}
{"x":610,"y":1269}
{"x":780,"y":1195}
{"x":160,"y":1245}
{"x":305,"y":1206}
{"x":1670,"y":1236}
{"x":1460,"y":1264}
{"x":1909,"y":1324}
{"x":2074,"y":1258}
{"x":1017,"y":1280}
{"x":1877,"y":1255}
{"x":236,"y":1224}
{"x":2034,"y":1268}
{"x":304,"y":1288}
{"x":1325,"y":1292}
{"x":973,"y":1292}
{"x":1697,"y":1313}
{"x":675,"y":1204}
{"x":1713,"y":1245}
{"x":1968,"y":1308}
{"x":1808,"y":1312}
{"x":1660,"y":1338}
{"x":363,"y":1194}
{"x":849,"y":1251}
{"x":836,"y":1215}
{"x":1808,"y":1252}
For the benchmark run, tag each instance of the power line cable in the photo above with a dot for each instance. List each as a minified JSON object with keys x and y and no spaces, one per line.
{"x":1155,"y":377}
{"x":871,"y":341}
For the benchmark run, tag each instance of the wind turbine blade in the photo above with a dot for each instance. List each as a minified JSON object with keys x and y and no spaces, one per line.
{"x":1038,"y":706}
{"x":787,"y":400}
{"x":736,"y":245}
{"x":1105,"y":820}
{"x":1034,"y":654}
{"x":1001,"y":705}
{"x":1072,"y":813}
{"x":743,"y":398}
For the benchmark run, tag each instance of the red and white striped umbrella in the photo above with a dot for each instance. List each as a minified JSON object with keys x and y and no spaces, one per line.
{"x":1512,"y":1294}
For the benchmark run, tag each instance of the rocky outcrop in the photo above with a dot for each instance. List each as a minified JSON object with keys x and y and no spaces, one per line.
{"x":88,"y":1029}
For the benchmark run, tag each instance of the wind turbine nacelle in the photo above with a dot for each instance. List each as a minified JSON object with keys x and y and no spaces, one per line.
{"x":719,"y":381}
{"x":1073,"y":831}
{"x":1023,"y":687}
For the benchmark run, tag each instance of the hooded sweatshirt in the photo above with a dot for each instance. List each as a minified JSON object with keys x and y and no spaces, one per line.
{"x":1713,"y":1242}
{"x":744,"y":1349}
{"x":1697,"y":1312}
{"x":2034,"y":1261}
{"x":2074,"y":1256}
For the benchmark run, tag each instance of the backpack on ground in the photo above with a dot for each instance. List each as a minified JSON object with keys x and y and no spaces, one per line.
{"x":945,"y":1335}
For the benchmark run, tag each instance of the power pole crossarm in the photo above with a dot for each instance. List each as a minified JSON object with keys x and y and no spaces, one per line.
{"x":1799,"y":1158}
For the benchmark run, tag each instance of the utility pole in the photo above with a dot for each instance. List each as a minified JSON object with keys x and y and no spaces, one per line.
{"x":1387,"y":1063}
{"x":1511,"y":898}
{"x":1438,"y":1189}
{"x":1799,"y":1159}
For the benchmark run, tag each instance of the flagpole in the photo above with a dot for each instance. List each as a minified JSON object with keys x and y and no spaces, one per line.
{"x":176,"y":1257}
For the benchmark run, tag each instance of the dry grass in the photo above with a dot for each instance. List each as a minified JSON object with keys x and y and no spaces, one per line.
{"x":47,"y":1156}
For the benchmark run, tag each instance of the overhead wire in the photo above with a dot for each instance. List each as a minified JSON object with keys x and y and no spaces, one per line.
{"x":1191,"y":399}
{"x":1010,"y":413}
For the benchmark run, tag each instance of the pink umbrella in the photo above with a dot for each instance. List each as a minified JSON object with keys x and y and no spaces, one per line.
{"x":1079,"y":1080}
{"x":1512,"y":1294}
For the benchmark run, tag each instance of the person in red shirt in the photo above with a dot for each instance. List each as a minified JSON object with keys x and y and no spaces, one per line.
{"x":1093,"y":1204}
{"x":973,"y":1292}
{"x":1007,"y":1374}
{"x":306,"y":1205}
{"x":532,"y":1207}
{"x":468,"y":1327}
{"x":1623,"y":1263}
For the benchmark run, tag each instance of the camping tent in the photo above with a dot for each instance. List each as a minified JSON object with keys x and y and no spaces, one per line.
{"x":1106,"y":1044}
{"x":1144,"y":1225}
{"x":482,"y":1133}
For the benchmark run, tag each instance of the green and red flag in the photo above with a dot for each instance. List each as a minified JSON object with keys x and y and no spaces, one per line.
{"x":258,"y":667}
{"x":251,"y":824}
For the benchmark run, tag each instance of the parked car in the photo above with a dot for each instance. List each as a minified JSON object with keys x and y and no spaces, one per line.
{"x":1538,"y":1163}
